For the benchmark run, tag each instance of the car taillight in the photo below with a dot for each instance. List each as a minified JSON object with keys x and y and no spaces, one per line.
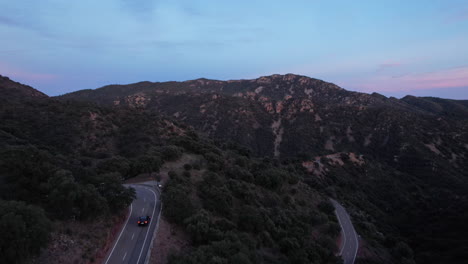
{"x":146,"y":222}
{"x":138,"y":221}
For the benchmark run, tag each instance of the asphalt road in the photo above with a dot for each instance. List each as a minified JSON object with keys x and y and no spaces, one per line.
{"x":134,"y":241}
{"x":350,"y":242}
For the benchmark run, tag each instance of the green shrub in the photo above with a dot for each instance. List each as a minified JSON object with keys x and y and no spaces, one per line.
{"x":171,"y":153}
{"x":172,"y":174}
{"x":271,"y":178}
{"x":186,"y":174}
{"x":177,"y":204}
{"x":24,"y":231}
{"x":114,"y":164}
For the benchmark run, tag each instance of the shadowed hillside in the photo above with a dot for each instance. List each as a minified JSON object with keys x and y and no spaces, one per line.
{"x":400,"y":163}
{"x":66,"y":161}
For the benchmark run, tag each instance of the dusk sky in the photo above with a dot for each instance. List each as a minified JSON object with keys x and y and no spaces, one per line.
{"x":417,"y":47}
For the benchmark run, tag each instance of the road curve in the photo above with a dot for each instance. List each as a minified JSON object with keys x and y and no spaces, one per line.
{"x":134,"y":241}
{"x":350,"y":239}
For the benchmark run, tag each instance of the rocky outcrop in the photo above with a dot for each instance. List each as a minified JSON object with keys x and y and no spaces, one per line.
{"x":283,"y":115}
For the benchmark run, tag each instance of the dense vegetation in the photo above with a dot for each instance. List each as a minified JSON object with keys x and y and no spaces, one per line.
{"x":66,"y":161}
{"x":241,"y":210}
{"x":416,"y":211}
{"x":62,"y":162}
{"x":407,"y":194}
{"x":409,"y":198}
{"x":25,"y":229}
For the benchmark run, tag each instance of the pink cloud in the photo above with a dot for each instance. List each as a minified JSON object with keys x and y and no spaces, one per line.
{"x":448,"y":78}
{"x":458,"y":17}
{"x":25,"y":75}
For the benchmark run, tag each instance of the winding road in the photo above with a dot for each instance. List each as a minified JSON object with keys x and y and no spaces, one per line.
{"x":134,"y":241}
{"x":350,"y":242}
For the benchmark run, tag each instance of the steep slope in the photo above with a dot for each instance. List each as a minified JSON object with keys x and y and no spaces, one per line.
{"x":401,"y":164}
{"x":16,"y":91}
{"x":445,"y":107}
{"x":283,"y":115}
{"x":68,"y":159}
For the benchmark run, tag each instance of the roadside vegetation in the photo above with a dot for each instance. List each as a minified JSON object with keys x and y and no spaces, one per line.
{"x":238,"y":209}
{"x":64,"y":163}
{"x":410,"y":212}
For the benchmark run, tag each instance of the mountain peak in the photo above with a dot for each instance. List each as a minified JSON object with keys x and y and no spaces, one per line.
{"x":12,"y":90}
{"x":284,"y":77}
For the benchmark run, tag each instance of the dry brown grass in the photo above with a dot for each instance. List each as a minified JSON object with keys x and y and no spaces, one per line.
{"x":169,"y":239}
{"x":81,"y":242}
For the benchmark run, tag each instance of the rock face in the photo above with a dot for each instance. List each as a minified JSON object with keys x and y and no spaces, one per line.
{"x":402,"y":163}
{"x":283,"y":115}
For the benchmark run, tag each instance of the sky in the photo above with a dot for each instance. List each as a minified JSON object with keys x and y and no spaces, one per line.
{"x":393,"y":47}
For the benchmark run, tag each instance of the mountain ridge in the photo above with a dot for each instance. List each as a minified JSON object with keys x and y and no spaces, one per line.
{"x":399,"y":165}
{"x":396,"y":160}
{"x":274,"y":108}
{"x":68,"y":161}
{"x":18,"y":91}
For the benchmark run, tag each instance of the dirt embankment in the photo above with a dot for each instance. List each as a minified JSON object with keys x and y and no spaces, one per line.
{"x":111,"y":238}
{"x":81,"y":242}
{"x":169,"y":240}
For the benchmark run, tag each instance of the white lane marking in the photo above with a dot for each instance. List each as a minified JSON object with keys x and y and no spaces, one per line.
{"x":357,"y":245}
{"x":133,"y":235}
{"x":144,"y":199}
{"x":142,"y":209}
{"x":124,"y":256}
{"x":149,"y":227}
{"x":155,"y":231}
{"x":353,"y":233}
{"x":342,"y":231}
{"x":121,"y":232}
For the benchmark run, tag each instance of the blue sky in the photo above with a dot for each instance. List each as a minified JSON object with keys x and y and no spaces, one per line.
{"x":391,"y":47}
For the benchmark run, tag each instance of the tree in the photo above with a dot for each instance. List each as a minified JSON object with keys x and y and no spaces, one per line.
{"x":146,"y":164}
{"x":215,"y":195}
{"x":64,"y":194}
{"x":201,"y":228}
{"x":326,"y":207}
{"x":215,"y":161}
{"x":110,"y":187}
{"x":114,"y":164}
{"x":23,"y":173}
{"x":271,"y":178}
{"x":177,"y":204}
{"x":69,"y":199}
{"x":24,"y":231}
{"x":402,"y":251}
{"x":171,"y":153}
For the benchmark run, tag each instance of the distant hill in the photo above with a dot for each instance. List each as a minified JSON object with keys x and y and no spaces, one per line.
{"x":444,"y":107}
{"x":66,"y":162}
{"x":400,"y":163}
{"x":283,"y":115}
{"x":12,"y":90}
{"x":274,"y":147}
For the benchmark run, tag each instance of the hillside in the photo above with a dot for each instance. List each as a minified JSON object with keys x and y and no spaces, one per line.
{"x":283,"y":115}
{"x":14,"y":91}
{"x":399,"y":163}
{"x":65,"y":162}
